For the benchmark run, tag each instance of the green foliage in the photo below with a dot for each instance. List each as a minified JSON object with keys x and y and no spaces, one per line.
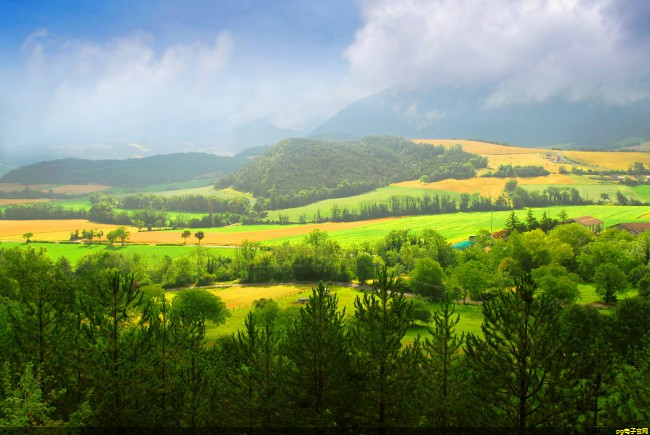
{"x":555,"y":282}
{"x":130,"y":172}
{"x":443,"y":365}
{"x":609,"y":280}
{"x":318,"y":352}
{"x":426,"y":278}
{"x":381,"y":320}
{"x":517,"y":359}
{"x":197,"y":306}
{"x":299,"y":171}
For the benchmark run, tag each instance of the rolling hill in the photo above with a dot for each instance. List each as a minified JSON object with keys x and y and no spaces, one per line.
{"x":299,"y":171}
{"x":129,"y":172}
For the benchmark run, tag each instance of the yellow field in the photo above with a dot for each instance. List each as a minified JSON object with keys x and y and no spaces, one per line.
{"x":21,"y":201}
{"x":242,"y":296}
{"x":486,"y":186}
{"x":503,"y":155}
{"x":72,"y":189}
{"x":49,"y":230}
{"x":611,"y":160}
{"x":59,"y":230}
{"x":17,"y":187}
{"x":483,"y":148}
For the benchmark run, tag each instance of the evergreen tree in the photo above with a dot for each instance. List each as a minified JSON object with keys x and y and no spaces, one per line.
{"x":518,"y":361}
{"x":442,"y":367}
{"x":116,"y":326}
{"x":255,"y":374}
{"x":387,"y":374}
{"x":318,"y":352}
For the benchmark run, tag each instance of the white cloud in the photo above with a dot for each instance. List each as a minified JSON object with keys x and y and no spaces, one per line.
{"x":528,"y":50}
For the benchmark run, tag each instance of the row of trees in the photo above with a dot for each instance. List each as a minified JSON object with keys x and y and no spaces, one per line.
{"x":514,"y":197}
{"x":95,"y":346}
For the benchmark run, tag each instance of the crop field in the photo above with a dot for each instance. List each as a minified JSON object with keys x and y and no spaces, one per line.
{"x":483,"y":148}
{"x":642,"y":192}
{"x":352,"y":202}
{"x":48,"y":230}
{"x":592,"y":192}
{"x":485,"y":186}
{"x":458,"y":226}
{"x":8,"y":201}
{"x":150,"y":254}
{"x":58,"y":230}
{"x":70,"y":189}
{"x":165,"y":187}
{"x":612,"y":160}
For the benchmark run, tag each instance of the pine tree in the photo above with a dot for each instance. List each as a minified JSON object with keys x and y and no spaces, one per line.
{"x":116,"y":326}
{"x":318,"y":352}
{"x":442,"y":367}
{"x":255,"y":374}
{"x":387,"y":374}
{"x":518,"y":362}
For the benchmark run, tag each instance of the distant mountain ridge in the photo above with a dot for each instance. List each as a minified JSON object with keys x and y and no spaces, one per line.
{"x":158,"y":169}
{"x":452,"y":114}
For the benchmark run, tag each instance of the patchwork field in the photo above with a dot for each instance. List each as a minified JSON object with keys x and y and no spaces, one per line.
{"x":58,"y":230}
{"x":352,"y":202}
{"x":611,"y":160}
{"x":7,"y":201}
{"x":150,"y":254}
{"x":70,"y":189}
{"x":485,"y":186}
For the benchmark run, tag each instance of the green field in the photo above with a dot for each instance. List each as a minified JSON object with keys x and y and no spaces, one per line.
{"x":643,"y":192}
{"x":165,"y":187}
{"x":352,"y":202}
{"x":460,"y":226}
{"x":149,"y":253}
{"x":471,"y":316}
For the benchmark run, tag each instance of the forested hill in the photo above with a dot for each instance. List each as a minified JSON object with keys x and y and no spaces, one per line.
{"x":129,"y":172}
{"x":299,"y":171}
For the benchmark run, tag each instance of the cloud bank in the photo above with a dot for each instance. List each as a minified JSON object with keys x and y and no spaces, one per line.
{"x":528,"y":51}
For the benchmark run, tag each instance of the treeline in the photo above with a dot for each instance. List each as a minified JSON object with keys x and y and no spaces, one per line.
{"x":186,"y":203}
{"x":515,"y":197}
{"x":509,"y":171}
{"x":296,"y":172}
{"x":101,"y":345}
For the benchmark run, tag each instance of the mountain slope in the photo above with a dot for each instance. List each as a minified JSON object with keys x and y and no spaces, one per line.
{"x":129,"y":172}
{"x":298,"y":171}
{"x":464,"y":114}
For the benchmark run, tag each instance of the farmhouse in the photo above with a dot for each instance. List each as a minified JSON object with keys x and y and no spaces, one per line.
{"x":634,"y":228}
{"x":595,"y":225}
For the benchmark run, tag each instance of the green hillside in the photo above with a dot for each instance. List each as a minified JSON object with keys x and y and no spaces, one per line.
{"x":295,"y":172}
{"x":159,"y":169}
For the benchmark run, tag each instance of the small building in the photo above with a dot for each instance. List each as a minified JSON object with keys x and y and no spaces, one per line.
{"x":595,"y":225}
{"x":634,"y":228}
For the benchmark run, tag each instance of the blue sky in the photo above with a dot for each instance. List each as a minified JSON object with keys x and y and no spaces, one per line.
{"x":167,"y":75}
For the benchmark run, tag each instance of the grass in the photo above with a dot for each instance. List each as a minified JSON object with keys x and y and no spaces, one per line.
{"x":609,"y":160}
{"x":240,"y":300}
{"x":592,"y":191}
{"x":286,"y":296}
{"x":352,"y":202}
{"x":459,"y":226}
{"x":164,"y":187}
{"x":149,"y":253}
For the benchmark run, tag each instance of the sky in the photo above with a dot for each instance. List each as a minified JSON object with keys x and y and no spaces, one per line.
{"x":80,"y":76}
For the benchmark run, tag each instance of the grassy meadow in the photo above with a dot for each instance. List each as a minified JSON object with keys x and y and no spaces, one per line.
{"x":150,"y":254}
{"x":240,"y":299}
